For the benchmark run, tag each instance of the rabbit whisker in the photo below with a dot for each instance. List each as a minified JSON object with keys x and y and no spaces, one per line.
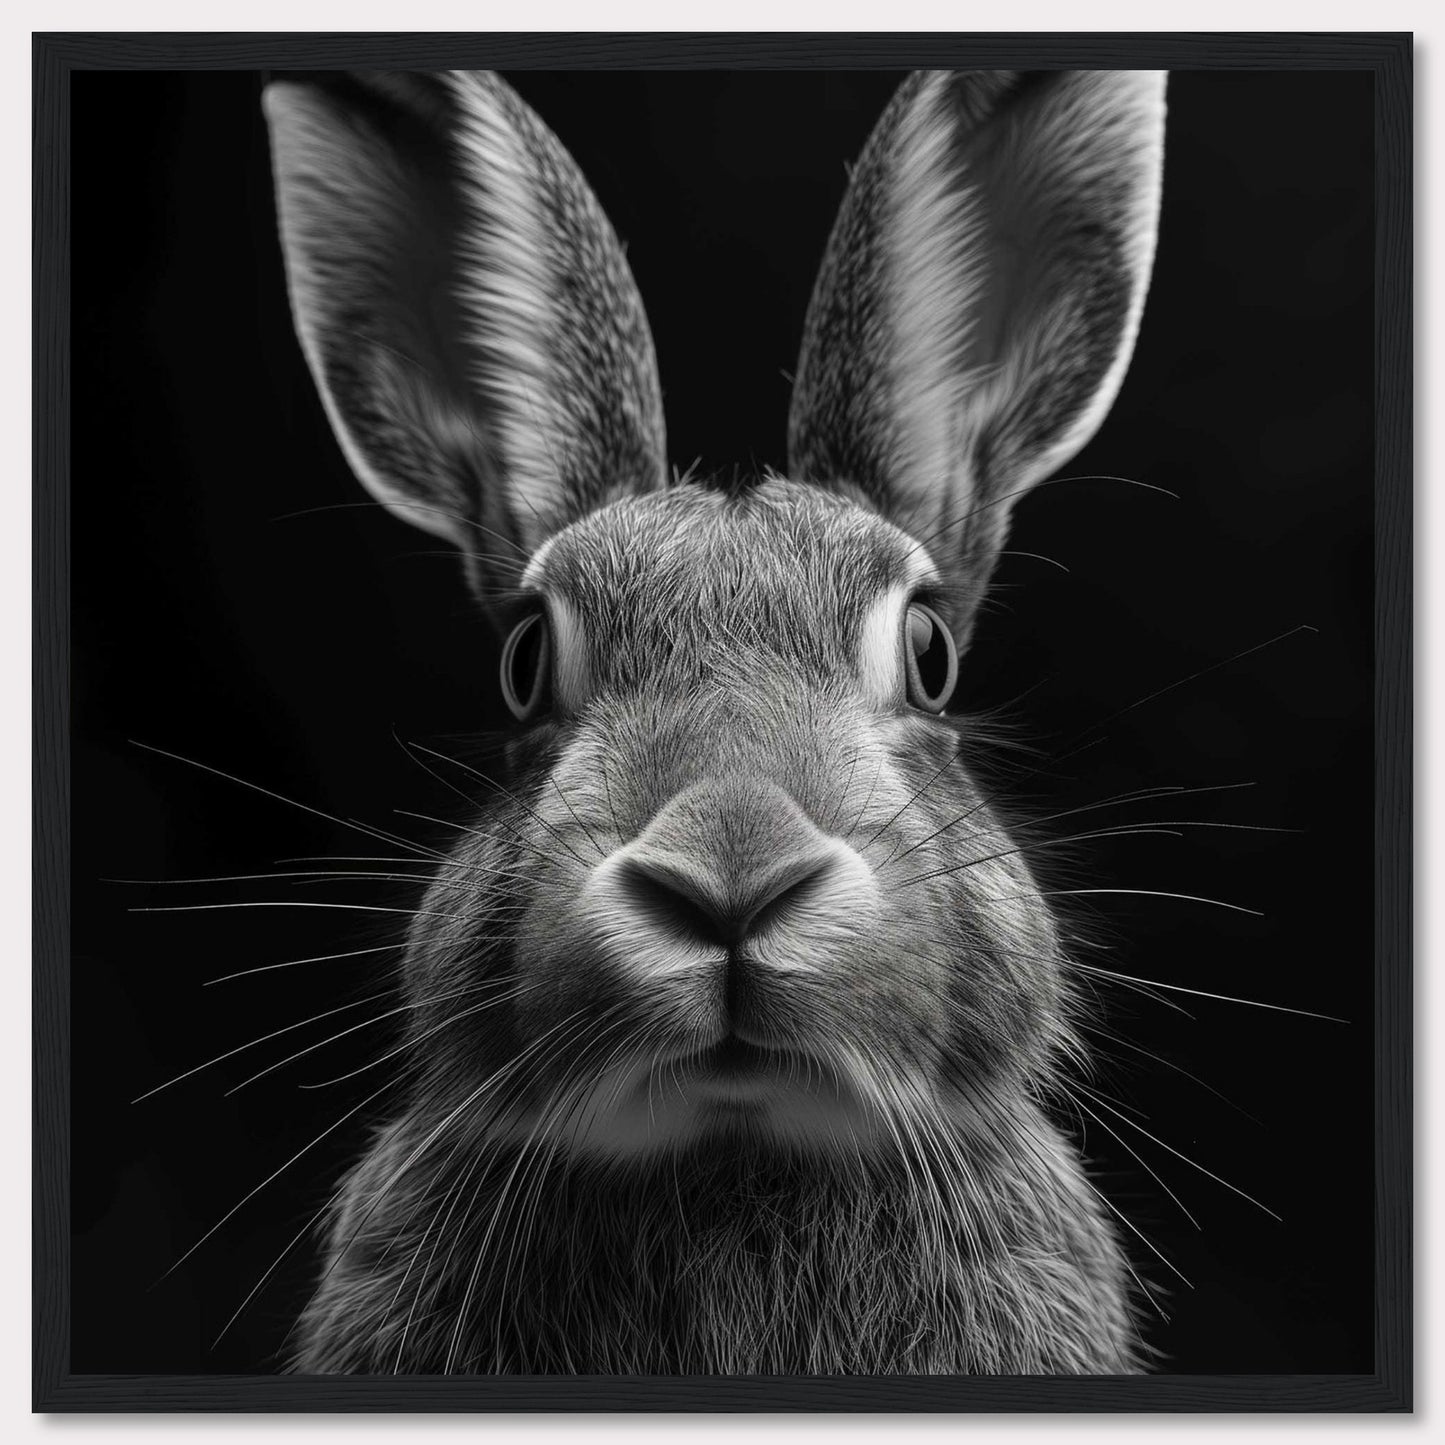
{"x":1205,"y":671}
{"x":1138,"y":986}
{"x":296,"y":962}
{"x":512,"y":834}
{"x":290,"y":802}
{"x":372,"y":505}
{"x":355,"y":1028}
{"x":1164,"y":827}
{"x":1031,"y":1141}
{"x":1139,"y":795}
{"x":506,"y":565}
{"x":1122,"y":832}
{"x":1036,"y":556}
{"x":1139,"y":1158}
{"x":1086,"y":739}
{"x":1201,"y":993}
{"x":275,"y":1033}
{"x":295,"y":903}
{"x":863,"y":807}
{"x":506,"y":792}
{"x":1178,"y":1154}
{"x":411,"y":1043}
{"x":1122,"y":1042}
{"x":462,"y":886}
{"x":275,"y":1174}
{"x":567,"y":802}
{"x":1132,"y":892}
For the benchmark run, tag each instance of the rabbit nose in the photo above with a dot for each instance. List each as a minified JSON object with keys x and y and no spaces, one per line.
{"x":725,"y":863}
{"x":694,"y":903}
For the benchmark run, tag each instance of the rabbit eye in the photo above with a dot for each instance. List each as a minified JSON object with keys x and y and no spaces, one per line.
{"x":930,"y":658}
{"x":527,"y":667}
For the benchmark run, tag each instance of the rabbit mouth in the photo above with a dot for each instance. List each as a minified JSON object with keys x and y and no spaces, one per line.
{"x":734,"y":1055}
{"x":735,"y":1070}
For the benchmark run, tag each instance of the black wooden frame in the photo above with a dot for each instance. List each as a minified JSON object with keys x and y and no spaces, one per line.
{"x":1388,"y":1388}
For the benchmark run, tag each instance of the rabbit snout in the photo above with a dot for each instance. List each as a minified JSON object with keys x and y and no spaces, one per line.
{"x":730,"y":870}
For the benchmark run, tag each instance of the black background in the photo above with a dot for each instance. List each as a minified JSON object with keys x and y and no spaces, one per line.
{"x":294,"y":652}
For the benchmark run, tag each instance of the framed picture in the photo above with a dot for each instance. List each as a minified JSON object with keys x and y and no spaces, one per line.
{"x":722,"y":722}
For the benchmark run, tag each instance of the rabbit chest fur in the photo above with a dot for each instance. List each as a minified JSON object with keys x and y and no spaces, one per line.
{"x":733,"y":1016}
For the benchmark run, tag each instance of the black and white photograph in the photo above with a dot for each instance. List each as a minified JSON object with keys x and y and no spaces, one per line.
{"x":722,"y":721}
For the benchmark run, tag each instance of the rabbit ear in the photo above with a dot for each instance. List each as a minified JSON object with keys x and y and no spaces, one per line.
{"x":980,"y":296}
{"x":463,"y":303}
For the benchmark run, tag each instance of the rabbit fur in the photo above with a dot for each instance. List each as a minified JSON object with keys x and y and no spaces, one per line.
{"x":734,"y":1014}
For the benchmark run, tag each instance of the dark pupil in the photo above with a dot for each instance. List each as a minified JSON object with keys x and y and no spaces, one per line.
{"x":526,"y":661}
{"x":931,"y":650}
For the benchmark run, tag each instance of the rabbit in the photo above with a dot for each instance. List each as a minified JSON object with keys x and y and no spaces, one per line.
{"x":733,"y":1017}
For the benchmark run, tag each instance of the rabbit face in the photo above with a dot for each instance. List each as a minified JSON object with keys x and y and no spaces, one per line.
{"x":750,"y":887}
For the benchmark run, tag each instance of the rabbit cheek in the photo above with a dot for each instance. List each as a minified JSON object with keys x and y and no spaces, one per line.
{"x":1005,"y":991}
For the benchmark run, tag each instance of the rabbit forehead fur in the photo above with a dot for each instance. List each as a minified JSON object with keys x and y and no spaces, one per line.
{"x":697,"y":585}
